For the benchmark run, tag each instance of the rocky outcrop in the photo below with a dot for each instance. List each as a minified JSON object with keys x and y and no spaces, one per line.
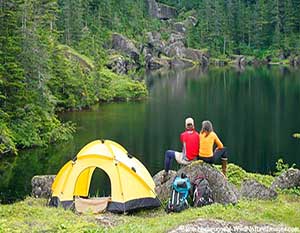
{"x":154,"y":63}
{"x":179,"y":27}
{"x":295,"y":60}
{"x":160,"y":11}
{"x":223,"y":192}
{"x":175,"y":49}
{"x":288,"y":179}
{"x":252,"y":189}
{"x":239,"y":60}
{"x":163,"y":189}
{"x":197,"y":55}
{"x":120,"y":65}
{"x":182,"y":27}
{"x":124,"y":45}
{"x":179,"y":62}
{"x":41,"y":186}
{"x":176,"y":37}
{"x":155,"y":44}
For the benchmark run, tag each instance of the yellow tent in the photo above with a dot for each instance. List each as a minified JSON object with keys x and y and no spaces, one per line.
{"x":132,"y":187}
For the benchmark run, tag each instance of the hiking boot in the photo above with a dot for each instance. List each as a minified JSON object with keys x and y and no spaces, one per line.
{"x":164,"y":177}
{"x":224,"y":166}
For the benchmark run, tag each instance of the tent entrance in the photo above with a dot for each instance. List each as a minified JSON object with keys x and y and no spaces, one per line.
{"x":100,"y":185}
{"x":99,"y":194}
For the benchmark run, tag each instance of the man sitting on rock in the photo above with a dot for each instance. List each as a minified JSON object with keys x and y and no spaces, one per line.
{"x":190,"y":148}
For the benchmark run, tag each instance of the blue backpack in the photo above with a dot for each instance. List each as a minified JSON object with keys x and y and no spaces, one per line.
{"x":179,"y":194}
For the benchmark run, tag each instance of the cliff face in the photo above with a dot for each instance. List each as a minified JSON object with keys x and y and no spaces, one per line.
{"x":160,"y":11}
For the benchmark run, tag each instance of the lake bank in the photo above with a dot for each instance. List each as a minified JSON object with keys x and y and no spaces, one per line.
{"x":33,"y":215}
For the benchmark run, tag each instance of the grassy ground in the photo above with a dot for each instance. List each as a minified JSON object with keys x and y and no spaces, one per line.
{"x":32,"y":215}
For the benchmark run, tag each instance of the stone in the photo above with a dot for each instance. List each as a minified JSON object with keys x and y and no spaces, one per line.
{"x":118,"y":65}
{"x":191,"y":21}
{"x":178,"y":62}
{"x":161,"y":11}
{"x":163,"y":190}
{"x":41,"y":186}
{"x":223,"y":192}
{"x":239,"y":60}
{"x":288,"y":179}
{"x":199,"y":56}
{"x":155,"y":44}
{"x":179,"y":27}
{"x":193,"y":54}
{"x":295,"y":60}
{"x":252,"y":189}
{"x":154,"y":63}
{"x":175,"y":49}
{"x":175,"y":37}
{"x":205,"y":60}
{"x":166,"y":12}
{"x":123,"y":44}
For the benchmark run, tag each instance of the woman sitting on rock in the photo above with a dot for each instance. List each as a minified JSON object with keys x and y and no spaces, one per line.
{"x":207,"y":140}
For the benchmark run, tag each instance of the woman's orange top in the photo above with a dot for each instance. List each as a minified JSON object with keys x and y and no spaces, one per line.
{"x":207,"y":144}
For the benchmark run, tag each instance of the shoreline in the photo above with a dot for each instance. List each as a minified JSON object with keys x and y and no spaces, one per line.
{"x":32,"y":214}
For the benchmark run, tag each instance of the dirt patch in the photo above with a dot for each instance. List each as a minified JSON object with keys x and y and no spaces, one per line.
{"x":210,"y":226}
{"x":108,"y":220}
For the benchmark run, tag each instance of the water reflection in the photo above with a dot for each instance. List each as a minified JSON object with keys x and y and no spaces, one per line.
{"x":254,"y":111}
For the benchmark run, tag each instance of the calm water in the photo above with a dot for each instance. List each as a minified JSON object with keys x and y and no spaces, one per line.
{"x":254,"y":112}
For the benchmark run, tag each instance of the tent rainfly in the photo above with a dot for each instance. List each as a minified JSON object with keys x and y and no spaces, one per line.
{"x":132,"y":187}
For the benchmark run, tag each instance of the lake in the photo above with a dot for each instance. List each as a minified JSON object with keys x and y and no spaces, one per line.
{"x":254,"y":111}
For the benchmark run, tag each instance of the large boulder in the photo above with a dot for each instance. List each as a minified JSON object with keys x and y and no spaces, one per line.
{"x":163,"y":190}
{"x":160,"y":11}
{"x":179,"y":27}
{"x":41,"y":186}
{"x":288,"y":179}
{"x":197,"y":55}
{"x":154,"y":63}
{"x":193,"y":54}
{"x":123,"y":44}
{"x":118,"y":64}
{"x":223,"y":192}
{"x":175,"y":49}
{"x":155,"y":44}
{"x":252,"y":189}
{"x":175,"y":37}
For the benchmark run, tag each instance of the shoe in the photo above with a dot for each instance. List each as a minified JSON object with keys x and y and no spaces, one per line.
{"x":224,"y":166}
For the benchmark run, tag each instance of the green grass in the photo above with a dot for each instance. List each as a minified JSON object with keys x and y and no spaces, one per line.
{"x":236,"y":175}
{"x":32,"y":215}
{"x":285,"y":210}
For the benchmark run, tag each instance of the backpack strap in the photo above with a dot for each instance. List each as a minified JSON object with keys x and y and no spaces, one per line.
{"x":199,"y":177}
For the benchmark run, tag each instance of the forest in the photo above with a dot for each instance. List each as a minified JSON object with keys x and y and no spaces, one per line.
{"x":53,"y":53}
